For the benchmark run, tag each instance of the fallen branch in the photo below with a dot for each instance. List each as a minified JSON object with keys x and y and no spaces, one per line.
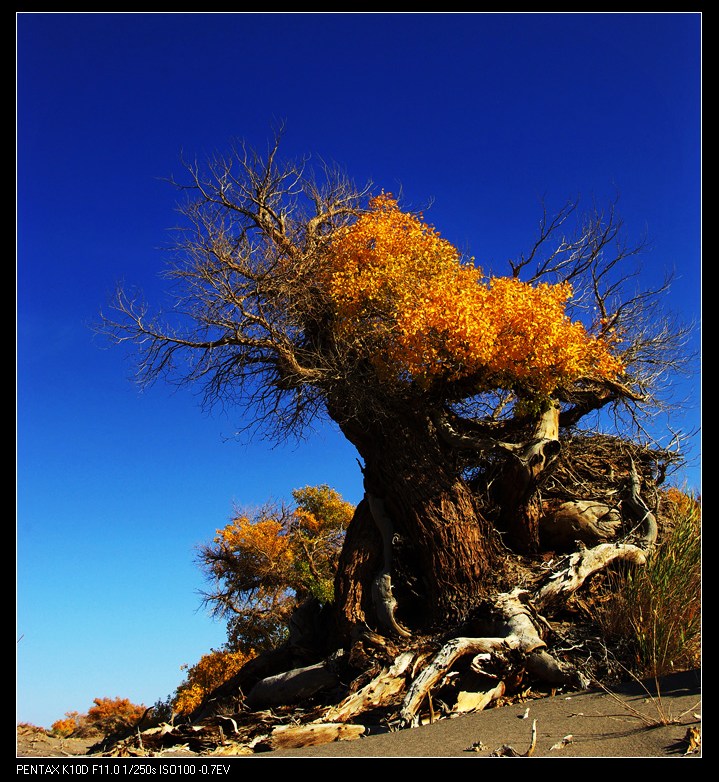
{"x":293,"y":736}
{"x":382,"y":690}
{"x":293,"y":686}
{"x":443,"y":660}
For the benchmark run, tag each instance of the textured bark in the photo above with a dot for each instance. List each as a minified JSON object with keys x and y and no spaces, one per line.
{"x":383,"y":689}
{"x":294,"y":736}
{"x":519,"y":629}
{"x":383,"y":598}
{"x":444,"y":554}
{"x":442,"y":662}
{"x":639,"y":511}
{"x":292,"y":686}
{"x":579,"y":566}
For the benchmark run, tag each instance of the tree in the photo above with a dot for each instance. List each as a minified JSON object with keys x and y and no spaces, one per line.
{"x":261,"y":568}
{"x":263,"y":565}
{"x":465,"y":394}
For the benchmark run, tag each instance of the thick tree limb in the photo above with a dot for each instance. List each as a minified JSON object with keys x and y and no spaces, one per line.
{"x":293,"y":686}
{"x":294,"y":736}
{"x":582,"y":520}
{"x":443,"y":660}
{"x":580,"y":566}
{"x":464,"y":441}
{"x":382,"y":690}
{"x":638,"y":509}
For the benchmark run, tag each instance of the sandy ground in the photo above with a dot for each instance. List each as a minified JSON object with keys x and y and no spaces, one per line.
{"x":624,"y":724}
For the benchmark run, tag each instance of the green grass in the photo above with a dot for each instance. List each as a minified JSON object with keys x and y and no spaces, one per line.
{"x":654,"y":611}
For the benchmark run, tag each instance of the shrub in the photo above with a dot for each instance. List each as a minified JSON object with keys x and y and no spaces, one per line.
{"x":68,"y":725}
{"x":110,"y":715}
{"x":212,"y":670}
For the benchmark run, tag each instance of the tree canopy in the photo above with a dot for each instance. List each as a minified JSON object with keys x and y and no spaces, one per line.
{"x":291,"y":291}
{"x":422,"y":314}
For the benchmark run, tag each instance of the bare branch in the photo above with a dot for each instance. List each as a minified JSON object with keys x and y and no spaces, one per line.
{"x":245,"y":324}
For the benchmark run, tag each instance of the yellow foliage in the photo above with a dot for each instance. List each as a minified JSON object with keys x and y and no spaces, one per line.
{"x":210,"y":672}
{"x":681,"y":503}
{"x":66,"y":726}
{"x":110,"y":714}
{"x":106,"y":716}
{"x":410,"y":304}
{"x":320,"y":508}
{"x":264,"y":564}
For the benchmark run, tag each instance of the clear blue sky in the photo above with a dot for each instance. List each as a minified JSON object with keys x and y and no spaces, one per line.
{"x":485,"y":115}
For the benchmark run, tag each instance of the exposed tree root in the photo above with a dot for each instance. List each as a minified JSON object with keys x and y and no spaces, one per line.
{"x":304,"y":703}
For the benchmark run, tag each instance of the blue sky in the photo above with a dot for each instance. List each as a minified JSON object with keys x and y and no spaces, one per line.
{"x":484,"y":115}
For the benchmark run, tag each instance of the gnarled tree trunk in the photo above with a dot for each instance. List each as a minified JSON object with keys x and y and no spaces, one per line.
{"x":418,"y":541}
{"x":519,"y":500}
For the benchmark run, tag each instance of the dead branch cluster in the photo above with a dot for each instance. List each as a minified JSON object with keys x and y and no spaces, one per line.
{"x":597,"y":466}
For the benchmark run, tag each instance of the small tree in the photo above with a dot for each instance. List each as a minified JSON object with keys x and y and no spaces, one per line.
{"x":69,"y":724}
{"x":264,"y":564}
{"x":110,"y":715}
{"x":105,"y":717}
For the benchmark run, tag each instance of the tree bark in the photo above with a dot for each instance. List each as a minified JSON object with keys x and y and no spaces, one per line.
{"x":429,"y":538}
{"x":517,"y":493}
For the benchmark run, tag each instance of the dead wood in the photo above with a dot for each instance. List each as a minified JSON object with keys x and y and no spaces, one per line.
{"x":579,"y":566}
{"x":442,"y":662}
{"x":293,"y":686}
{"x":587,"y":521}
{"x":478,"y":701}
{"x":515,"y":643}
{"x":638,"y":509}
{"x":294,"y":736}
{"x":381,"y":691}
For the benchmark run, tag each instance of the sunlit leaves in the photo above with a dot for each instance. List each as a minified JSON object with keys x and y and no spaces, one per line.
{"x":212,"y":670}
{"x":420,"y":313}
{"x":262,"y":564}
{"x":68,"y":725}
{"x":105,"y":716}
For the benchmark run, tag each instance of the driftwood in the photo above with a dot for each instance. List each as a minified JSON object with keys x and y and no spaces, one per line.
{"x":293,"y":686}
{"x":519,"y":629}
{"x":293,"y":736}
{"x":478,"y":701}
{"x":381,"y":691}
{"x":522,"y":626}
{"x":442,"y":662}
{"x":580,"y":566}
{"x":515,"y":629}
